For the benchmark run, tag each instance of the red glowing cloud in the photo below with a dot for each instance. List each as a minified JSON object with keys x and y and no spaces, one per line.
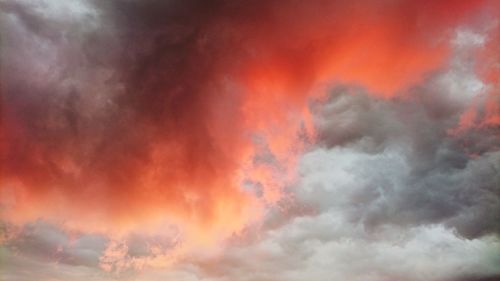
{"x":166,"y":117}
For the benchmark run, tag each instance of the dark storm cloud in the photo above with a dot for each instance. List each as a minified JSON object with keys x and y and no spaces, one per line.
{"x":159,"y":81}
{"x":90,"y":93}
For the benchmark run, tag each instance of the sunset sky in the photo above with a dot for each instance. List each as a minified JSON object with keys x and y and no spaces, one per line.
{"x":239,"y":140}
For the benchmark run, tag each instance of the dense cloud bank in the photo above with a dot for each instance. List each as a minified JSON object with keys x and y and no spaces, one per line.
{"x":395,"y":162}
{"x":148,"y":110}
{"x":249,"y":140}
{"x":391,"y":192}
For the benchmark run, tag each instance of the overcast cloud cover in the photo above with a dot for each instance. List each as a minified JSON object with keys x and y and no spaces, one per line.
{"x":117,"y":114}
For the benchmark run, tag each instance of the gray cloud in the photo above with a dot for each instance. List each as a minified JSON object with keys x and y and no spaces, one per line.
{"x":49,"y":243}
{"x":396,"y":162}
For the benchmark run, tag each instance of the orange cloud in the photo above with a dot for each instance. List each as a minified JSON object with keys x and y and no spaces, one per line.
{"x":174,"y":140}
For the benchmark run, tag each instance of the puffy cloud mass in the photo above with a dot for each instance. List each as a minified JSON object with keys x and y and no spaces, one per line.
{"x":249,"y":140}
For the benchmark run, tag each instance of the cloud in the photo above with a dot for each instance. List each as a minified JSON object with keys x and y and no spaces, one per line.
{"x":160,"y":131}
{"x":121,"y":107}
{"x":395,"y":162}
{"x":92,"y":124}
{"x":391,"y":193}
{"x":303,"y":250}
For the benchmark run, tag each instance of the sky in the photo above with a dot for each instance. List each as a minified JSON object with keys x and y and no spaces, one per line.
{"x":239,"y":140}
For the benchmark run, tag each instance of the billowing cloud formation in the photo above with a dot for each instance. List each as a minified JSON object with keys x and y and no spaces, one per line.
{"x":389,"y":190}
{"x":137,"y":133}
{"x":402,"y":160}
{"x":122,"y":107}
{"x":393,"y":194}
